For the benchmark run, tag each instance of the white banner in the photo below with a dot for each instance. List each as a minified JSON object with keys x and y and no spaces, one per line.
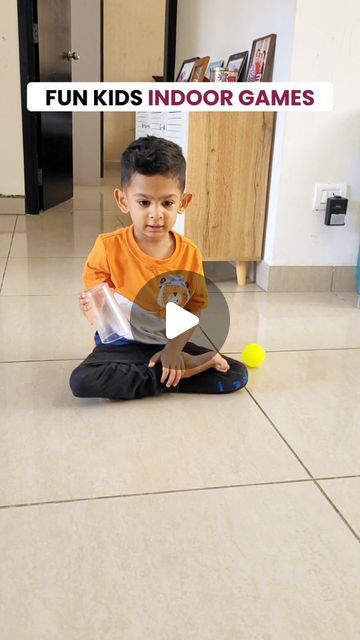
{"x":178,"y":96}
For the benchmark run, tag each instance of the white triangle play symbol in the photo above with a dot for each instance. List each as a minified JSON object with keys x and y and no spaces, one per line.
{"x":178,"y":320}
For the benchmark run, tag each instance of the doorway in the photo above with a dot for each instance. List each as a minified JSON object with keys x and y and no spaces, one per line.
{"x":45,"y":48}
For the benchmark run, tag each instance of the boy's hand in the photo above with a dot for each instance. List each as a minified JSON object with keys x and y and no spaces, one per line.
{"x":86,"y":307}
{"x":173,"y":364}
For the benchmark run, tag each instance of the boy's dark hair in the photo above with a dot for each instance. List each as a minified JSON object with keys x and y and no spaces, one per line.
{"x":150,"y":156}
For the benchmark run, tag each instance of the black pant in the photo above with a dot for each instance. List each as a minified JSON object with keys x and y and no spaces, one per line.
{"x":122,"y":373}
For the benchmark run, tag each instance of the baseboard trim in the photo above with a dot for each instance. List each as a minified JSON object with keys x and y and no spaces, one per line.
{"x":305,"y":278}
{"x":112,"y":164}
{"x":12,"y":205}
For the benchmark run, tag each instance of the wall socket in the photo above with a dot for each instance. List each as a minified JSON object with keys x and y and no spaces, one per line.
{"x":324,"y":191}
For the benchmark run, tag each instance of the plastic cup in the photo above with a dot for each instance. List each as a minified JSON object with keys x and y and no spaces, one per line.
{"x":108,"y":319}
{"x":215,"y":74}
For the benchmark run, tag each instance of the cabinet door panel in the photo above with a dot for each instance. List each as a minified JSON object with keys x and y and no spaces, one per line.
{"x":228,"y":173}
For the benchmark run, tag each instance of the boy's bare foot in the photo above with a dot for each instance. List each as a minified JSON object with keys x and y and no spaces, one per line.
{"x":220,"y":364}
{"x":202,"y":362}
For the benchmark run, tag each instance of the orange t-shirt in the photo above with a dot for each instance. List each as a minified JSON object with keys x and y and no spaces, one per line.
{"x":117,"y":259}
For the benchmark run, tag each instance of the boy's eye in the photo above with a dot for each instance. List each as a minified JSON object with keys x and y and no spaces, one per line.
{"x":146,"y":203}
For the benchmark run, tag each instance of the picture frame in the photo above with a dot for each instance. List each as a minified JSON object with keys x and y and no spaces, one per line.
{"x":213,"y":65}
{"x":237,"y":62}
{"x":198,"y":72}
{"x":186,"y":70}
{"x":261,"y":61}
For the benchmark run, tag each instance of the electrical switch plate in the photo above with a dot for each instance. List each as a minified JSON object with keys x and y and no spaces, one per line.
{"x":324,"y":191}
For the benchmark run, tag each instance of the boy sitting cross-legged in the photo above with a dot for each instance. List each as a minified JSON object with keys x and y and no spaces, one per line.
{"x":148,"y":255}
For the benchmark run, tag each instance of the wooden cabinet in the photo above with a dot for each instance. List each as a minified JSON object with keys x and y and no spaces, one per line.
{"x":228,"y":170}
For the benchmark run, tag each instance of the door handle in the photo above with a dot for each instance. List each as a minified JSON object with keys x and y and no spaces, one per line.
{"x":71,"y":55}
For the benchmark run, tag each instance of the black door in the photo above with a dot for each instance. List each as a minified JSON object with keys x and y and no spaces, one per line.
{"x":55,"y":129}
{"x":44,"y":41}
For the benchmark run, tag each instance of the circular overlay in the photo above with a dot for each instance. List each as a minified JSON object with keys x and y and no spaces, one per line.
{"x":191,"y":291}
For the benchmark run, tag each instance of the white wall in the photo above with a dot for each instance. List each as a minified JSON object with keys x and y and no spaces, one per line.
{"x":322,"y":147}
{"x":317,"y":40}
{"x":11,"y":156}
{"x":220,"y":27}
{"x":85,"y":40}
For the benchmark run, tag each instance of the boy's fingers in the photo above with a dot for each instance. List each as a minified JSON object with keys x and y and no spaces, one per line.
{"x":154,"y":359}
{"x":165,"y":373}
{"x":177,"y":379}
{"x":171,"y":377}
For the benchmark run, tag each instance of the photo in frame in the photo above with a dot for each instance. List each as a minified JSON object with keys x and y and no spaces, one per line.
{"x":186,"y":70}
{"x":261,"y":61}
{"x":216,"y":64}
{"x":237,"y":62}
{"x":198,"y":72}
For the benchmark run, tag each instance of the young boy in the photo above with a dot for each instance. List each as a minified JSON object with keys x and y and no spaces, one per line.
{"x":148,"y":257}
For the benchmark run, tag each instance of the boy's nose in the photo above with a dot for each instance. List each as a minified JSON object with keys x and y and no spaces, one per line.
{"x":156,"y":212}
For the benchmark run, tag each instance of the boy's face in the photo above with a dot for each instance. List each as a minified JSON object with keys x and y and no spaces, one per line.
{"x":153,"y":203}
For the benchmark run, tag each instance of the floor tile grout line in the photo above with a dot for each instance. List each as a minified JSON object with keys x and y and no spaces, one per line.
{"x":301,"y":350}
{"x":229,"y":353}
{"x":42,"y":360}
{"x":314,"y":480}
{"x":171,"y":491}
{"x":151,"y":493}
{"x":283,"y":293}
{"x":280,"y":434}
{"x":8,"y":255}
{"x":337,"y":510}
{"x":347,"y":477}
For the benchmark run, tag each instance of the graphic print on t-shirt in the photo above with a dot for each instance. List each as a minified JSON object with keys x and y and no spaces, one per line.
{"x":148,"y":311}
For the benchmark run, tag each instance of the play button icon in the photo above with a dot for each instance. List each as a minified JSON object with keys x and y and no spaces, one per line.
{"x":178,"y":320}
{"x":165,"y":307}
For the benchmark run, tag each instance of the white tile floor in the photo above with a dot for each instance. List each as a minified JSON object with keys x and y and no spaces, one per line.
{"x":172,"y":518}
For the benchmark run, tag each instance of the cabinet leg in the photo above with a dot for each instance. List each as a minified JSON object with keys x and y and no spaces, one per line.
{"x":241,"y":272}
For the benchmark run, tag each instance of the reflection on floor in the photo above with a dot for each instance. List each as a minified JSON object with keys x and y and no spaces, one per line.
{"x":200,"y":517}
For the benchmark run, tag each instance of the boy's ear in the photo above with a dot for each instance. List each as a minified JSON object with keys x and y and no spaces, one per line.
{"x":121,"y":200}
{"x":185,"y":201}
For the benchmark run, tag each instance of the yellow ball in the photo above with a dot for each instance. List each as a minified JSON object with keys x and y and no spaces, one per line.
{"x":253,"y":355}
